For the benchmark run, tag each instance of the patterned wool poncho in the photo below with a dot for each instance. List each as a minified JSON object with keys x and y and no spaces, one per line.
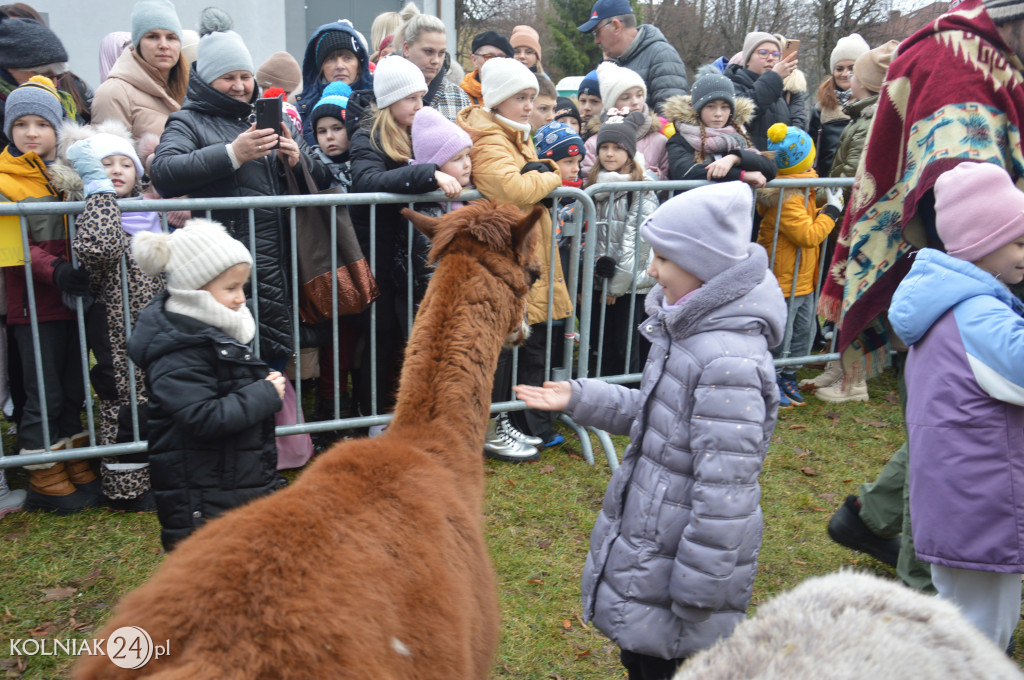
{"x":954,"y":93}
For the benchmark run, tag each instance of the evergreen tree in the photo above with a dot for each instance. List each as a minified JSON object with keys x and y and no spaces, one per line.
{"x":574,"y":53}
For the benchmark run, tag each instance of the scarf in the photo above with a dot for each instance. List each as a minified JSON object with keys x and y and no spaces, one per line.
{"x":717,"y":140}
{"x":524,"y":128}
{"x":200,"y":305}
{"x":843,"y":96}
{"x":928,"y":120}
{"x":135,"y":222}
{"x":472,"y":87}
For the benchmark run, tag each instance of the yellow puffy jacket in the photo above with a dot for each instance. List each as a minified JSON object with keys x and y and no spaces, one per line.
{"x":499,"y":154}
{"x":801,"y":229}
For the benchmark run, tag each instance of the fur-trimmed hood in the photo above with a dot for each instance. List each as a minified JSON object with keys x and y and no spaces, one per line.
{"x":769,"y":196}
{"x":795,"y":82}
{"x":62,"y":175}
{"x":679,"y":109}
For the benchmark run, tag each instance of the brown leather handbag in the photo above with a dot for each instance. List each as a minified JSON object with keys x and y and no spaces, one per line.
{"x":356,"y":285}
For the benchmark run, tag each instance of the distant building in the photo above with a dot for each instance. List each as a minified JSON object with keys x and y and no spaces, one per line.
{"x":267,"y":26}
{"x":899,"y":26}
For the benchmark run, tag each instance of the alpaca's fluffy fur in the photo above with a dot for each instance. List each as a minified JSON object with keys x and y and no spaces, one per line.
{"x":373,"y":563}
{"x":850,"y":626}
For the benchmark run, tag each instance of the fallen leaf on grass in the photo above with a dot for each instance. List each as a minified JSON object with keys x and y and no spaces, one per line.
{"x":567,"y":624}
{"x":800,"y":453}
{"x":892,"y":398}
{"x":543,"y":545}
{"x":90,"y":578}
{"x":809,"y":471}
{"x":547,"y":469}
{"x":584,"y":654}
{"x":536,"y":581}
{"x":878,"y":423}
{"x":54,"y":594}
{"x":511,"y":482}
{"x":797,"y":426}
{"x":43,"y":630}
{"x":833,"y":416}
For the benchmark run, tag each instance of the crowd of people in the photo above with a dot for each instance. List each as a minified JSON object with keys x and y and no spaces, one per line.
{"x":173,"y":336}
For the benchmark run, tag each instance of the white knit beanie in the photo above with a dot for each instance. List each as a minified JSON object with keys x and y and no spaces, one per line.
{"x":501,"y":78}
{"x":192,"y":256}
{"x":396,"y":78}
{"x":105,"y":144}
{"x":615,"y":79}
{"x":848,"y":49}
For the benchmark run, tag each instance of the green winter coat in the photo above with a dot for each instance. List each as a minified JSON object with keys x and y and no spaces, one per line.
{"x":851,"y":142}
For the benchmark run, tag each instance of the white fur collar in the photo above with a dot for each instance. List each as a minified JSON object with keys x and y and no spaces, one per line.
{"x":509,"y":123}
{"x":200,"y":304}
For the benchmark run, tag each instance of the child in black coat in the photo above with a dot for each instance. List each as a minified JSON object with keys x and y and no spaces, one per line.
{"x":212,"y":401}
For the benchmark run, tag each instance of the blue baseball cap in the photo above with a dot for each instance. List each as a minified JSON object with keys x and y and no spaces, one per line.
{"x":605,"y":9}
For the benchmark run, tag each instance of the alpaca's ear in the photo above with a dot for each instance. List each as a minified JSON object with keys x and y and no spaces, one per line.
{"x":428,"y":225}
{"x":521,"y":230}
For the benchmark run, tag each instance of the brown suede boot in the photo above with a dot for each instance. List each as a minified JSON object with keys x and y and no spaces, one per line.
{"x":80,"y":472}
{"x":50,"y":490}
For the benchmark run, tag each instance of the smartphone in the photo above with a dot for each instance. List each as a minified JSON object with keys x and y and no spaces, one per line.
{"x":791,"y":47}
{"x":268,"y":115}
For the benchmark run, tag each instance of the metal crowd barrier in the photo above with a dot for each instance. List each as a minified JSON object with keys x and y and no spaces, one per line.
{"x":579,"y":278}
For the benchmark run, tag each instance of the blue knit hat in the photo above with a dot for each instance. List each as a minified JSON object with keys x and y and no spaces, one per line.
{"x":590,"y":85}
{"x":332,"y":104}
{"x":794,"y":150}
{"x":556,"y":141}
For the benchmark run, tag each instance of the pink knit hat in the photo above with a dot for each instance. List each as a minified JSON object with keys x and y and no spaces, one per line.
{"x":970,"y":233}
{"x":435,"y":139}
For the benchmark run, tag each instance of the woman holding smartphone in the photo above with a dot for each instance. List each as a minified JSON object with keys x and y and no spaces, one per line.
{"x":759,"y":76}
{"x":212,"y":147}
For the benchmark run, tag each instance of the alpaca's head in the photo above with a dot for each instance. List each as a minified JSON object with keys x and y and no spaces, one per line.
{"x":501,"y":239}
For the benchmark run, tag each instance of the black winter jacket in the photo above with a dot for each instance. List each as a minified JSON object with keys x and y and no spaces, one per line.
{"x":211,"y":419}
{"x":372,"y":171}
{"x":658,"y":63}
{"x":192,"y":159}
{"x":683,"y":166}
{"x":766,"y":91}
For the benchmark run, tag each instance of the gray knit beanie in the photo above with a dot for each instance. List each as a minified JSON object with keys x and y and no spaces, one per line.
{"x":1004,"y":11}
{"x":148,"y":15}
{"x":754,"y":39}
{"x":711,"y":87}
{"x":222,"y":52}
{"x":705,"y":230}
{"x":25,"y":43}
{"x":36,"y":97}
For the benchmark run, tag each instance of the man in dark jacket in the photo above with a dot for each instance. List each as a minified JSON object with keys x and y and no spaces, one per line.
{"x":640,"y":48}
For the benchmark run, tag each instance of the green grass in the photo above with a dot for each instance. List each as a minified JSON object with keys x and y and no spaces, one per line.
{"x":538,"y":515}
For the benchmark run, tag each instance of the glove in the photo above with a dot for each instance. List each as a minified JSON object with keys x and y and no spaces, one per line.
{"x":835,"y":198}
{"x":84,"y":160}
{"x":535,"y":166}
{"x":70,"y":280}
{"x":605,"y":267}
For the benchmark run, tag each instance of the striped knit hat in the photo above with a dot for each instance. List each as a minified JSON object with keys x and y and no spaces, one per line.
{"x":35,"y":97}
{"x":1004,"y":11}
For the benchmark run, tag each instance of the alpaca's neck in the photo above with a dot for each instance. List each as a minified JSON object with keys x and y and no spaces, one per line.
{"x":449,"y":365}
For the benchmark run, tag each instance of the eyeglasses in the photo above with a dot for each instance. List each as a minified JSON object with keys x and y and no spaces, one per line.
{"x":600,"y":26}
{"x":485,"y":57}
{"x":769,"y":53}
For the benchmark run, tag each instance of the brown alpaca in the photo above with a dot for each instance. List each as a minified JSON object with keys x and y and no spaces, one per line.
{"x":373,"y":563}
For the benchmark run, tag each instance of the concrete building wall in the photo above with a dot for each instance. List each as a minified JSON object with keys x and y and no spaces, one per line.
{"x":266,"y":25}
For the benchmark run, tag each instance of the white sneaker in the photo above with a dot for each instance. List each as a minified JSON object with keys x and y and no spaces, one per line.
{"x":505,"y":425}
{"x":833,"y":372}
{"x":500,"y":445}
{"x":836,"y":393}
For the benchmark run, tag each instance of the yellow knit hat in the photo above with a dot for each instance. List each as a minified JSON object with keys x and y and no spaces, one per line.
{"x":794,"y":150}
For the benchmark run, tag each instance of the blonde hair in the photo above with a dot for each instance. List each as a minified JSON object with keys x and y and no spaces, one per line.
{"x":414,"y":23}
{"x":384,"y":25}
{"x":388,"y":137}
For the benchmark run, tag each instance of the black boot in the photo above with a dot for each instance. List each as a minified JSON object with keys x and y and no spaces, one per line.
{"x":847,"y":529}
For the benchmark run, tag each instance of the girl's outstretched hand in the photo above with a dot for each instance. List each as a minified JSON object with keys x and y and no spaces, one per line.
{"x":553,"y":396}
